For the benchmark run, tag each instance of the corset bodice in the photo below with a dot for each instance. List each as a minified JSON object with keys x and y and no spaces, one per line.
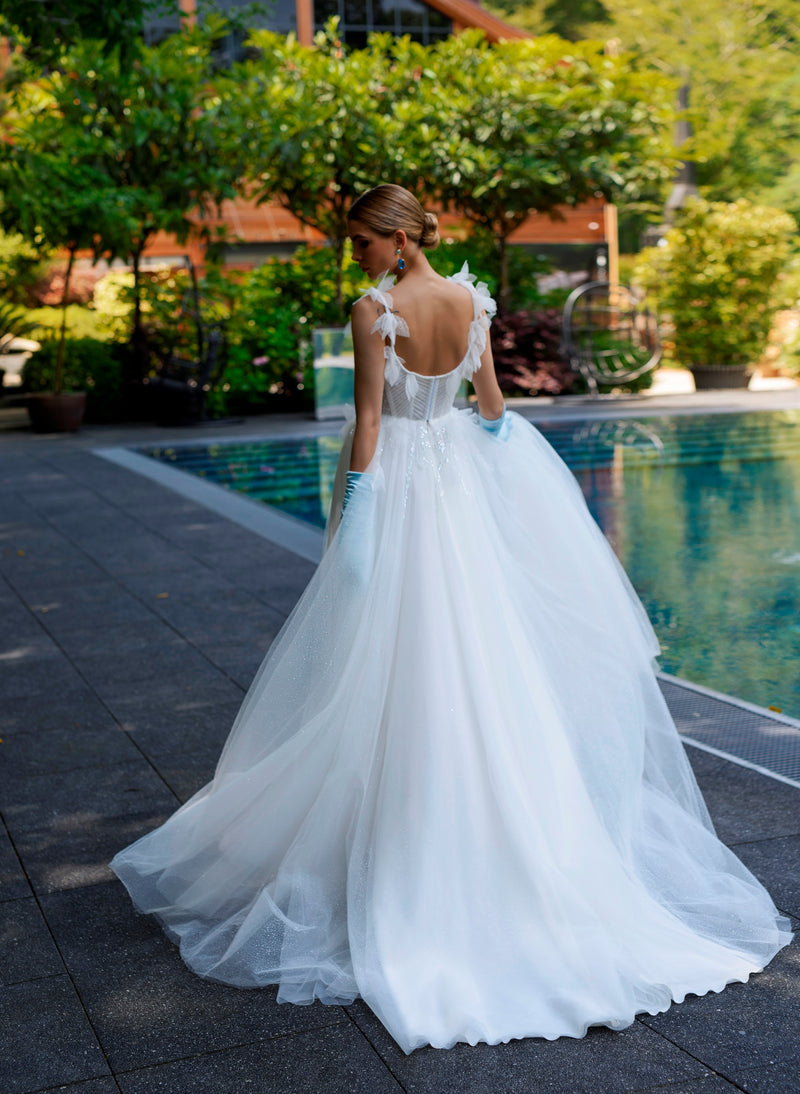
{"x":409,"y":394}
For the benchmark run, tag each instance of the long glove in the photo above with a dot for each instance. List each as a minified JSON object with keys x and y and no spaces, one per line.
{"x":356,"y":535}
{"x":498,"y":427}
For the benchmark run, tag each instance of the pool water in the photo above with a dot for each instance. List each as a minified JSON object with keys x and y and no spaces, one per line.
{"x":702,"y":510}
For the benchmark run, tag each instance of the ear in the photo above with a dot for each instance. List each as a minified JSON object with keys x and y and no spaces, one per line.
{"x":400,"y":238}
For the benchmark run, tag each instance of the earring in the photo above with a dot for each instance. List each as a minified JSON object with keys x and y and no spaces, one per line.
{"x":400,"y":263}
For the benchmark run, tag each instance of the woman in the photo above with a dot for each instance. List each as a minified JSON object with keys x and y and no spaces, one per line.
{"x":454,"y":788}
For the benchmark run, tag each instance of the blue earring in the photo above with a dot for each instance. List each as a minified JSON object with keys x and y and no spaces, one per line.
{"x":400,"y":263}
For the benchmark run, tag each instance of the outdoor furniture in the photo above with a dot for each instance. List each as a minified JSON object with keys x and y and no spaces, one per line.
{"x":609,"y":335}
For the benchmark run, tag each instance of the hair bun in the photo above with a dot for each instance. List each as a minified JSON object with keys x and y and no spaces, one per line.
{"x":430,"y":233}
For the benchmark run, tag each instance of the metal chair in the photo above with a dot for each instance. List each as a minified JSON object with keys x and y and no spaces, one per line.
{"x":609,"y":335}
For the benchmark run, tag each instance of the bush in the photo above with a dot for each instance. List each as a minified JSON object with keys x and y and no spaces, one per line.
{"x":719,"y":278}
{"x":90,"y":365}
{"x":527,"y":356}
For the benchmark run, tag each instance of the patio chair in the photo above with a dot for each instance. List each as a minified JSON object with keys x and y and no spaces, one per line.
{"x":609,"y":335}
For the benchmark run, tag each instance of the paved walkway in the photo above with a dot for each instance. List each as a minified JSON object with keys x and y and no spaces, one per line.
{"x":132,"y":621}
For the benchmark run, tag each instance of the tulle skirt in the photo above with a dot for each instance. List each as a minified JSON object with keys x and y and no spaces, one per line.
{"x":454,"y":789}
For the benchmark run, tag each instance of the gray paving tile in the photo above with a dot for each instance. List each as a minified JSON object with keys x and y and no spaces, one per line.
{"x":776,"y":864}
{"x":13,"y":883}
{"x":712,"y":1084}
{"x":143,"y":1002}
{"x":198,"y":731}
{"x":171,"y":663}
{"x":779,"y":1078}
{"x":121,"y":639}
{"x":744,"y":1026}
{"x":604,"y":1060}
{"x":47,"y":1037}
{"x":41,"y":676}
{"x":334,"y":1060}
{"x":68,"y":825}
{"x":91,"y":1086}
{"x":37,"y":714}
{"x":29,"y":952}
{"x":745,"y":805}
{"x":93,"y":605}
{"x":66,"y":749}
{"x":205,"y":686}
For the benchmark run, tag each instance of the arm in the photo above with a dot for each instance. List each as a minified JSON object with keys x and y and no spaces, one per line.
{"x":367,"y":384}
{"x":490,"y":398}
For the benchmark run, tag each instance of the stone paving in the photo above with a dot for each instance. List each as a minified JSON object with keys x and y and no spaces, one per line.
{"x":132,"y":622}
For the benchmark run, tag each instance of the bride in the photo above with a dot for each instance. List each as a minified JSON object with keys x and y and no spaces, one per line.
{"x":454,"y":788}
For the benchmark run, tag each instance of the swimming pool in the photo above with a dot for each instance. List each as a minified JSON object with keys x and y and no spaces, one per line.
{"x":702,"y":510}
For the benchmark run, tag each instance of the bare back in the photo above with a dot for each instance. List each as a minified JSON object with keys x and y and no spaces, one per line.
{"x":438,"y":313}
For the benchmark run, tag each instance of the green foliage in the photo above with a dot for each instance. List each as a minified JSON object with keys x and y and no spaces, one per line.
{"x":82,"y":322}
{"x":90,"y":365}
{"x":326,"y":123}
{"x":21,"y":266}
{"x":740,"y":60}
{"x":495,"y":131}
{"x":572,"y":19}
{"x":720,"y":279}
{"x":14,"y":323}
{"x":530,"y":125}
{"x":480,"y":252}
{"x":45,"y":30}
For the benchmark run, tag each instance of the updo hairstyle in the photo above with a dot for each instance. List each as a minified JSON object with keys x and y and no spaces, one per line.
{"x":389,"y":208}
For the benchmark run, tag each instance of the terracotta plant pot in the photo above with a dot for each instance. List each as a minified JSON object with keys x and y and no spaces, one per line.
{"x":56,"y":413}
{"x":720,"y":377}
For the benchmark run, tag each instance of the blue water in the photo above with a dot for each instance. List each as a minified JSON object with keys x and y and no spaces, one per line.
{"x":702,"y":510}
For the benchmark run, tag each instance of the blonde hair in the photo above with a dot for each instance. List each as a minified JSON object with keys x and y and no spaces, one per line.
{"x":389,"y":208}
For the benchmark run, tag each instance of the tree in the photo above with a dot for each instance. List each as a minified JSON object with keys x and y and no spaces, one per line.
{"x":740,"y":59}
{"x":327,"y":127}
{"x":46,"y":29}
{"x":571,"y":19}
{"x":53,"y":194}
{"x":165,"y":135}
{"x":527,"y":126}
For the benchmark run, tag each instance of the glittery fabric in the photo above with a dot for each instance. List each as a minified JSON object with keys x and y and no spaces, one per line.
{"x":454,"y":788}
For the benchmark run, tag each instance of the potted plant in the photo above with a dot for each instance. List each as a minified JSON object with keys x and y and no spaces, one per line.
{"x":717,"y":277}
{"x":58,"y":411}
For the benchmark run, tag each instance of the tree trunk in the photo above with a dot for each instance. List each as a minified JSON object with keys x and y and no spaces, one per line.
{"x":339,"y":263}
{"x":58,"y":378}
{"x":501,"y":243}
{"x":138,"y":340}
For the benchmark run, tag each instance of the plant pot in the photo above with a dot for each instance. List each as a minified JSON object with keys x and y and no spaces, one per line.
{"x":720,"y":377}
{"x":56,"y":413}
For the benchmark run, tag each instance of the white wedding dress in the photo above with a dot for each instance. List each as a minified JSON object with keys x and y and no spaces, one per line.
{"x":454,"y":788}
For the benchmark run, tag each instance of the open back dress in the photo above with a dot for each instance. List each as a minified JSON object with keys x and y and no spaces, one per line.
{"x":454,"y":788}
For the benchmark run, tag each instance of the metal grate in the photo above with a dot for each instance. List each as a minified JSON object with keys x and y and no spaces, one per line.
{"x":739,"y":731}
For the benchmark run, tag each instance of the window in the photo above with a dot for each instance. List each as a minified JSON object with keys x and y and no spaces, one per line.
{"x":359,"y":18}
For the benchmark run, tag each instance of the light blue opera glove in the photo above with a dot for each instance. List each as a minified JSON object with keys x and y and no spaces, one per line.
{"x":356,"y":537}
{"x":498,"y":427}
{"x":353,"y":479}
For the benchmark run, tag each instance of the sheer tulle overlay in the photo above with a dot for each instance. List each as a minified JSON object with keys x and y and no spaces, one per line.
{"x":454,"y":788}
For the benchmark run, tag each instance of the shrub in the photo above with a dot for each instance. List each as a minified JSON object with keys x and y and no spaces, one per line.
{"x":90,"y":365}
{"x":527,"y":357}
{"x":719,"y":279}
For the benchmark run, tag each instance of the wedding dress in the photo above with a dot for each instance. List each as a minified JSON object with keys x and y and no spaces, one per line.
{"x":454,"y":788}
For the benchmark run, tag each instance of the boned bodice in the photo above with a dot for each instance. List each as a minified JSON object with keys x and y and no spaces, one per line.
{"x":409,"y":394}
